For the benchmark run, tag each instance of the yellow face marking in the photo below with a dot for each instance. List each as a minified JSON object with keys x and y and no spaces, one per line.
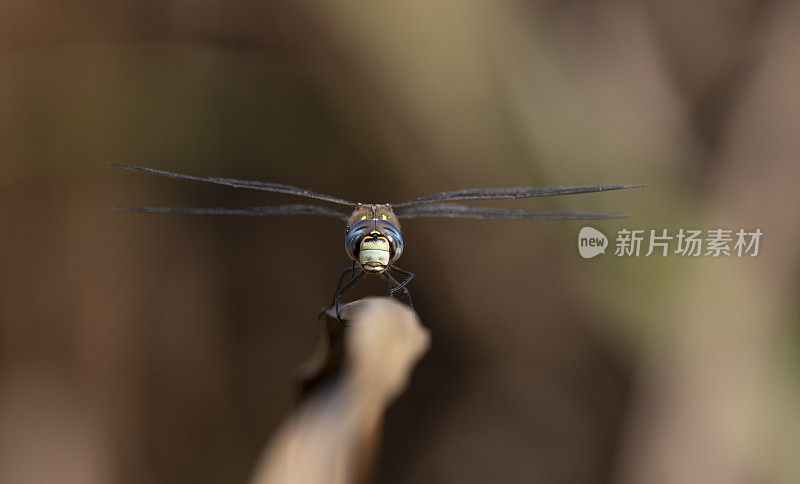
{"x":383,"y":217}
{"x":363,"y":217}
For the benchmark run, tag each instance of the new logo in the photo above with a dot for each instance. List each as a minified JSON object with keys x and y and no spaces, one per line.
{"x":591,"y":242}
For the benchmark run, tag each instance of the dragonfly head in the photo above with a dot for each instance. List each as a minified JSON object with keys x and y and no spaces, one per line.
{"x":374,"y":244}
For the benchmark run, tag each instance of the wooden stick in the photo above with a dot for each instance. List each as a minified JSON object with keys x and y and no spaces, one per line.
{"x":332,"y":436}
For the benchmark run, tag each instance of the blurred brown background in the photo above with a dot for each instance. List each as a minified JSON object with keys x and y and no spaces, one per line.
{"x":163,"y":349}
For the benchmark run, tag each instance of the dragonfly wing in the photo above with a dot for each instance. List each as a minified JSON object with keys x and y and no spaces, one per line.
{"x":513,"y":192}
{"x":252,"y":211}
{"x":449,"y":210}
{"x":249,"y":184}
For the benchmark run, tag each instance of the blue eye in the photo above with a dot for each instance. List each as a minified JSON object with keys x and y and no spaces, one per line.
{"x":354,"y":236}
{"x":392,"y":234}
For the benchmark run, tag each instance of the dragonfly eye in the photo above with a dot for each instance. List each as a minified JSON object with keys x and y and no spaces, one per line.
{"x":355,"y":234}
{"x":392,"y":234}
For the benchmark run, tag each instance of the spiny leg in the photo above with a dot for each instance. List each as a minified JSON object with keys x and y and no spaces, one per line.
{"x":409,"y":276}
{"x":342,"y":291}
{"x":400,"y":287}
{"x":392,"y":285}
{"x":351,"y":269}
{"x":339,"y":286}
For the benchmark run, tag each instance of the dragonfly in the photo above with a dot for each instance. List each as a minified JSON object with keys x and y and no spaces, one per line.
{"x":373,"y":239}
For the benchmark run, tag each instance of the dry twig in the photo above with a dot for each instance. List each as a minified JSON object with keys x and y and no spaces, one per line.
{"x":330,"y":438}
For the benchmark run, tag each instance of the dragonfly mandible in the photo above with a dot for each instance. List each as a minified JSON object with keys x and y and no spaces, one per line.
{"x":373,"y":239}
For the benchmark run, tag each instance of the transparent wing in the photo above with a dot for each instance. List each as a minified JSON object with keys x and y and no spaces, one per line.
{"x":250,"y":184}
{"x":449,"y":210}
{"x":252,"y":211}
{"x":513,"y":192}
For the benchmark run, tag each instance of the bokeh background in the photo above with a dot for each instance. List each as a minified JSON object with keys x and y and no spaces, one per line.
{"x":162,"y":349}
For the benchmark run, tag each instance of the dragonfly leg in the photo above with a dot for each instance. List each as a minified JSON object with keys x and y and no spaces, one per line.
{"x":391,"y":283}
{"x":401,"y":286}
{"x":344,"y":273}
{"x":409,"y":276}
{"x":351,"y":270}
{"x":342,"y":291}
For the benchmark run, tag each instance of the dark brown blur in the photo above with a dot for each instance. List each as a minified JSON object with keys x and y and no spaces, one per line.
{"x":163,"y":349}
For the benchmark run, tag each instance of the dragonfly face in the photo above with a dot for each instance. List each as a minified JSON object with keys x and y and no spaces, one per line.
{"x":373,"y":237}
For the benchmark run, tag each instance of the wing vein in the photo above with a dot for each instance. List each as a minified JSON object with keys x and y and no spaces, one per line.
{"x":235,"y":183}
{"x":251,"y":211}
{"x":506,"y":193}
{"x":449,"y":210}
